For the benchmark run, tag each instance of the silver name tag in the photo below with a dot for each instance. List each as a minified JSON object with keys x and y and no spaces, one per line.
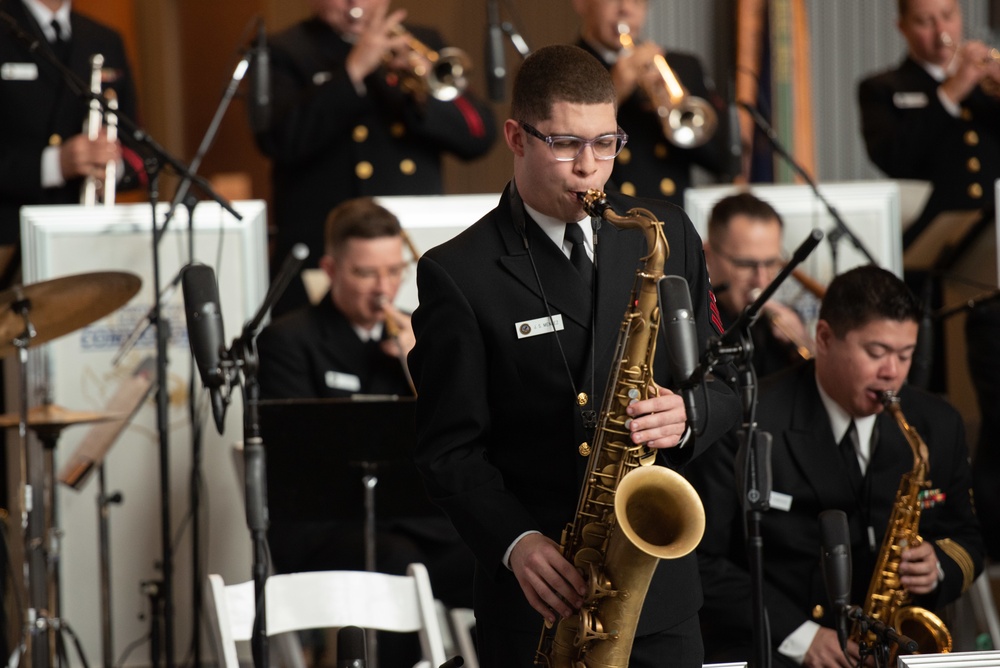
{"x":910,"y":100}
{"x":19,"y":71}
{"x":529,"y":328}
{"x":780,"y":501}
{"x":343,"y":381}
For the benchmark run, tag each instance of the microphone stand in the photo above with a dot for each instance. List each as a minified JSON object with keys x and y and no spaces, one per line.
{"x":840,"y":227}
{"x":159,"y":158}
{"x":241,"y":360}
{"x":753,"y":459}
{"x":884,"y":636}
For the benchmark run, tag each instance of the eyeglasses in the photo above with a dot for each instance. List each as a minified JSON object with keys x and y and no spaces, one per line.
{"x":770,"y":265}
{"x":566,"y":148}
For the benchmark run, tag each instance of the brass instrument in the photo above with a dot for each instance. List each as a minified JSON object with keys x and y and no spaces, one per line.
{"x":887,"y":600}
{"x":630,"y":513}
{"x":445,"y":79}
{"x":89,"y":191}
{"x":991,"y":82}
{"x":687,"y":121}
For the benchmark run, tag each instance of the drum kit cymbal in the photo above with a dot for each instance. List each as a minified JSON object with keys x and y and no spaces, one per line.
{"x":31,"y":315}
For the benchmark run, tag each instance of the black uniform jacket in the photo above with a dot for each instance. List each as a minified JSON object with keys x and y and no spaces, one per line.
{"x":497,"y":422}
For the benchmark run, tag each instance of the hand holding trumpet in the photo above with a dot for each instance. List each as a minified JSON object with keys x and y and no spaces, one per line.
{"x":399,"y":338}
{"x":81,"y":157}
{"x":378,"y":34}
{"x":974,"y":64}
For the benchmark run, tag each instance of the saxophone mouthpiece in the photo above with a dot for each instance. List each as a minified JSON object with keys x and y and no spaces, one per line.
{"x":594,"y":202}
{"x":888,"y":397}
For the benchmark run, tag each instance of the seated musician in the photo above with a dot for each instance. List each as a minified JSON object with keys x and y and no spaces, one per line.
{"x":338,"y":348}
{"x":864,"y":342}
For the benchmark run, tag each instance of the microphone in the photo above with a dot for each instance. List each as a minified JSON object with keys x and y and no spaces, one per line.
{"x":681,"y":333}
{"x":496,"y":68}
{"x":205,"y":332}
{"x":261,"y":88}
{"x":835,"y":559}
{"x":454,"y":662}
{"x":923,"y":353}
{"x":351,"y":650}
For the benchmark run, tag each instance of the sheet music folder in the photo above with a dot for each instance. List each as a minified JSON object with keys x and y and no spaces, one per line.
{"x":317,"y":451}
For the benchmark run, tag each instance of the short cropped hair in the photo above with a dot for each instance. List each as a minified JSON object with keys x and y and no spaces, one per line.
{"x":864,"y":294}
{"x":559,"y":73}
{"x":740,"y":204}
{"x":359,"y":218}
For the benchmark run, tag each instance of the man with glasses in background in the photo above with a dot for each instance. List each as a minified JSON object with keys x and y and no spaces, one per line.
{"x":744,"y":254}
{"x":515,"y":337}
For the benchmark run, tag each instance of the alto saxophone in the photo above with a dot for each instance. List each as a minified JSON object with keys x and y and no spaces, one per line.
{"x":887,"y":600}
{"x":630,"y":514}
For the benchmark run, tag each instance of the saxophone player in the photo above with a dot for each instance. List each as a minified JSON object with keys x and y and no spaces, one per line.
{"x":513,"y":346}
{"x":834,"y":448}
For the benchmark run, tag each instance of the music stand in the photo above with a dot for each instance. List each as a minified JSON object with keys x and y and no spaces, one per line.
{"x":331,"y":459}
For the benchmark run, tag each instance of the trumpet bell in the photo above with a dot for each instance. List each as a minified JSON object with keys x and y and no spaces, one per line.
{"x":690,"y":123}
{"x":448,"y":77}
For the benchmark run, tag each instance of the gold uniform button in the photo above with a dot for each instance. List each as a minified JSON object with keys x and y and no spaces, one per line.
{"x":660,"y":151}
{"x":397,"y":130}
{"x":628,"y":189}
{"x":360,"y":133}
{"x":975,"y":191}
{"x":668,"y":187}
{"x":364,"y":170}
{"x":625,"y":156}
{"x":818,"y":612}
{"x":972,"y":138}
{"x":407,"y":166}
{"x":966,"y":114}
{"x":973,"y":165}
{"x":584,"y":449}
{"x":55,"y":140}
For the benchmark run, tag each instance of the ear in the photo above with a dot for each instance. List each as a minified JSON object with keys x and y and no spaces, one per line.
{"x":329,"y":266}
{"x":824,"y":335}
{"x":514,"y":136}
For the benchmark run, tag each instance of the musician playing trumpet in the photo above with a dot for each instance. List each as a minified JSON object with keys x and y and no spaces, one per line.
{"x":651,"y":165}
{"x":342,"y":124}
{"x":44,"y":150}
{"x":936,"y":117}
{"x":743,"y":255}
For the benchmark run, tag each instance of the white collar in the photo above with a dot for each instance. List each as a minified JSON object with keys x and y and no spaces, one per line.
{"x":555,"y":229}
{"x":366,"y":335}
{"x":840,"y":422}
{"x":44,"y":17}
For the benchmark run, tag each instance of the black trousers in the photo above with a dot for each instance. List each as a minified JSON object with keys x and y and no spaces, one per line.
{"x":677,"y":647}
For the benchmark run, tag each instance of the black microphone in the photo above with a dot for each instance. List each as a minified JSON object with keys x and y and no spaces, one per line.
{"x":681,"y":334}
{"x":923,"y":352}
{"x":205,"y":332}
{"x":454,"y":662}
{"x":262,"y":79}
{"x":496,"y":68}
{"x":351,"y":649}
{"x":835,"y":559}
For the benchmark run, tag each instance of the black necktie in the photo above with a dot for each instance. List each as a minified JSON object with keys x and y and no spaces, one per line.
{"x":60,"y":46}
{"x":578,"y":253}
{"x":849,"y":451}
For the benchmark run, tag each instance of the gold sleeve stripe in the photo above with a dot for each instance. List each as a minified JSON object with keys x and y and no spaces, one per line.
{"x":958,"y":554}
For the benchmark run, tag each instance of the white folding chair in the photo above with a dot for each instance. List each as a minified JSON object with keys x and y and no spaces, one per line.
{"x":327,"y":599}
{"x":463,"y":624}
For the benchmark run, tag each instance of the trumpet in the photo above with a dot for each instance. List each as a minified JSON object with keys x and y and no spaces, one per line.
{"x":445,"y":79}
{"x":89,"y":191}
{"x":802,"y":347}
{"x":687,"y":121}
{"x":990,"y":83}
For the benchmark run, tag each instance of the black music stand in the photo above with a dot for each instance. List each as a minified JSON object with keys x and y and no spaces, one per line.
{"x":333,"y":459}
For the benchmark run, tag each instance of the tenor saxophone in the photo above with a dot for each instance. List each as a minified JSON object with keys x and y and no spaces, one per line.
{"x":887,"y":599}
{"x":630,"y":514}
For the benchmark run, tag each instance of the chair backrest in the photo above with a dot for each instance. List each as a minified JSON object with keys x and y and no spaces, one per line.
{"x":327,"y":599}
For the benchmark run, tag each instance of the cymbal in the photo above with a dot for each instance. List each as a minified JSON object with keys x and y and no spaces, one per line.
{"x":53,"y":415}
{"x":62,"y":305}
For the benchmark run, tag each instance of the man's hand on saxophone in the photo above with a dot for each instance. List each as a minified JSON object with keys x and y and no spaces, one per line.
{"x":659,"y":421}
{"x":550,"y":583}
{"x":918,"y":569}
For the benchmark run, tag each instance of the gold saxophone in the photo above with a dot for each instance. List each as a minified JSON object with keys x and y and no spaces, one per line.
{"x":887,"y":600}
{"x":630,"y":514}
